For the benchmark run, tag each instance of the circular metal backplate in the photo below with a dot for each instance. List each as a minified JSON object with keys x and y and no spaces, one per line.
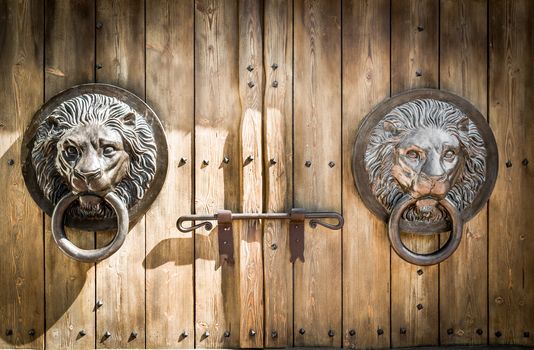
{"x":137,"y":210}
{"x":361,"y":176}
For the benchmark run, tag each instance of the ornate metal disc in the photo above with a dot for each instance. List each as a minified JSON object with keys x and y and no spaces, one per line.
{"x":431,"y":145}
{"x":118,"y":138}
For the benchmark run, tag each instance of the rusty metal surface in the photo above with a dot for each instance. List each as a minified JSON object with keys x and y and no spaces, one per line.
{"x":226,"y":236}
{"x":296,"y":234}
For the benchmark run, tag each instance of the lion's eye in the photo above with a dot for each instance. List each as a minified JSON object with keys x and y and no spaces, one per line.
{"x":412,"y":154}
{"x":71,"y":151}
{"x":109,"y":151}
{"x":449,"y":154}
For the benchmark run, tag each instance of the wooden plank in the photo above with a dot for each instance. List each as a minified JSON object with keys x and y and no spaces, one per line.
{"x":170,"y":254}
{"x":21,"y":234}
{"x":317,"y":121}
{"x":366,"y":253}
{"x":278,"y":126}
{"x":511,"y":241}
{"x":414,"y":64}
{"x":120,"y":281}
{"x":251,"y":236}
{"x":217,"y":120}
{"x":463,"y":277}
{"x":70,"y":285}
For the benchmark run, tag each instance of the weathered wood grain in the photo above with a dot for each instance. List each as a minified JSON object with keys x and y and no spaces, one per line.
{"x":70,"y":285}
{"x":414,"y":64}
{"x":251,"y":236}
{"x":217,"y":120}
{"x":170,"y":253}
{"x":463,"y":277}
{"x":278,"y":131}
{"x":120,"y":279}
{"x":366,"y":253}
{"x":511,"y":239}
{"x":21,"y":232}
{"x":317,"y":123}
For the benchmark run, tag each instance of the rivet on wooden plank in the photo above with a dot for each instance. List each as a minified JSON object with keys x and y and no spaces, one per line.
{"x":274,"y":246}
{"x":526,"y":334}
{"x":352,"y":332}
{"x":99,"y":25}
{"x":419,"y":306}
{"x":380,"y":331}
{"x":82,"y":333}
{"x":418,"y":73}
{"x":251,"y":84}
{"x":331,"y":333}
{"x":479,"y":331}
{"x":273,"y":161}
{"x":9,"y":332}
{"x":420,"y":28}
{"x":184,"y":334}
{"x":331,"y":164}
{"x":274,"y":334}
{"x":274,"y":84}
{"x":525,"y":162}
{"x":182,"y":161}
{"x":250,"y":68}
{"x":402,"y":330}
{"x":252,"y":332}
{"x":498,"y":334}
{"x":98,"y":66}
{"x":205,"y":162}
{"x":274,"y":66}
{"x":308,"y":163}
{"x":227,"y":334}
{"x":450,"y":331}
{"x":10,"y":162}
{"x":508,"y":163}
{"x":302,"y":331}
{"x":226,"y":160}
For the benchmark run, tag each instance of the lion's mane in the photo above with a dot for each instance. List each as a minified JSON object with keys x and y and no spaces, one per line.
{"x":99,"y":109}
{"x":414,"y":115}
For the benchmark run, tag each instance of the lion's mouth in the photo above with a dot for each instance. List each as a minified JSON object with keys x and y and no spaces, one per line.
{"x":91,"y":205}
{"x":426,"y":206}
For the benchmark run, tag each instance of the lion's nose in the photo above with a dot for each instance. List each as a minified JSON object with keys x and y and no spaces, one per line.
{"x":88,"y":175}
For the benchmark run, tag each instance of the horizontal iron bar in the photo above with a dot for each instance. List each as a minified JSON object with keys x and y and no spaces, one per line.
{"x":314,"y":217}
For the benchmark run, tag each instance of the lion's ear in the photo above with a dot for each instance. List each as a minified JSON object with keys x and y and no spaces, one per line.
{"x":129,"y":119}
{"x":52,"y":120}
{"x":390,"y":129}
{"x":463,"y":125}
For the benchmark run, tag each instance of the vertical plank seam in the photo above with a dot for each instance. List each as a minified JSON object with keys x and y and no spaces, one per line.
{"x":488,"y":85}
{"x":438,"y":237}
{"x":265,"y":168}
{"x":390,"y":249}
{"x":341,"y":163}
{"x":94,"y":233}
{"x":293,"y":157}
{"x":43,"y":227}
{"x":193,"y":162}
{"x":144,"y":98}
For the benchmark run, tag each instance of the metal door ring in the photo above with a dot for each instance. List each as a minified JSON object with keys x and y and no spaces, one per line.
{"x":424,"y":259}
{"x":89,"y":255}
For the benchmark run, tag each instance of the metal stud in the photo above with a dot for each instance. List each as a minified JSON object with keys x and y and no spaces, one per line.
{"x":302,"y":331}
{"x":250,"y":68}
{"x":274,"y":334}
{"x":274,"y":246}
{"x":273,"y":161}
{"x":508,"y":163}
{"x":525,"y":162}
{"x":274,"y":84}
{"x":185,"y":334}
{"x":99,"y":25}
{"x":419,"y":306}
{"x":98,"y":66}
{"x":205,"y":162}
{"x":352,"y":332}
{"x":380,"y":331}
{"x":206,"y":334}
{"x":480,"y":331}
{"x":331,"y":164}
{"x":99,"y":303}
{"x":251,"y":84}
{"x":249,"y":159}
{"x":10,"y":162}
{"x":402,"y":330}
{"x":526,"y":334}
{"x":226,"y":334}
{"x":420,"y":272}
{"x":418,"y":73}
{"x":252,"y":332}
{"x":420,"y":28}
{"x":331,"y":333}
{"x":31,"y":332}
{"x":498,"y":334}
{"x":82,"y":333}
{"x":133,"y":335}
{"x":450,"y":331}
{"x":9,"y":332}
{"x":226,"y":160}
{"x":107,"y":334}
{"x":183,"y":161}
{"x":308,"y":163}
{"x":274,"y":66}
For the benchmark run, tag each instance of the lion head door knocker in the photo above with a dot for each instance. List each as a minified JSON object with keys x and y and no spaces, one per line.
{"x":94,"y":158}
{"x":425,"y":161}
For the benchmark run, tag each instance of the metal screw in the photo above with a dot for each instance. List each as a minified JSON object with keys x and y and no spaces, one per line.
{"x":274,"y":334}
{"x":526,"y":334}
{"x":403,"y":330}
{"x":133,"y":334}
{"x":508,"y":163}
{"x":273,"y":161}
{"x":31,"y":332}
{"x":250,"y":68}
{"x":226,"y":160}
{"x":274,"y":84}
{"x":98,"y":66}
{"x":227,"y":334}
{"x":82,"y":333}
{"x":331,"y":333}
{"x":185,"y":334}
{"x":420,"y":272}
{"x":480,"y":331}
{"x":99,"y":25}
{"x":107,"y":334}
{"x":10,"y":162}
{"x":252,"y":332}
{"x":302,"y":331}
{"x":99,"y":303}
{"x":379,"y":331}
{"x":418,"y":73}
{"x":205,"y":162}
{"x":331,"y":164}
{"x":352,"y":332}
{"x":206,"y":334}
{"x":308,"y":163}
{"x":420,"y":28}
{"x":9,"y":332}
{"x":274,"y":246}
{"x":419,"y":306}
{"x":525,"y":162}
{"x":450,"y":331}
{"x":274,"y":66}
{"x":251,"y":84}
{"x":498,"y":334}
